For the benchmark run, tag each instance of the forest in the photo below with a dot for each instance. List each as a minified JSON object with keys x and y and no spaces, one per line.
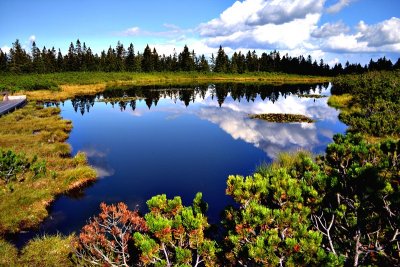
{"x":80,"y":58}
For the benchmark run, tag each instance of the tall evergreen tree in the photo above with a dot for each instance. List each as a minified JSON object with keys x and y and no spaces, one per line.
{"x":60,"y":61}
{"x":222,"y":61}
{"x":186,"y":62}
{"x":3,"y":61}
{"x":120,"y":57}
{"x":147,"y":61}
{"x":130,"y":59}
{"x":20,"y":61}
{"x":70,"y":58}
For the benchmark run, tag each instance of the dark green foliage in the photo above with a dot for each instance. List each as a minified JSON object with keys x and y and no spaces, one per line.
{"x":361,"y":200}
{"x":11,"y":165}
{"x":272,"y":227}
{"x":376,"y":102}
{"x":79,"y":57}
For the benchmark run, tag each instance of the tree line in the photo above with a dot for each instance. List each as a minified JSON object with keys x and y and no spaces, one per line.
{"x":80,"y":57}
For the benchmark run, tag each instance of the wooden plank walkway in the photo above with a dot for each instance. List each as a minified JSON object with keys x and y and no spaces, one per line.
{"x":12,"y":104}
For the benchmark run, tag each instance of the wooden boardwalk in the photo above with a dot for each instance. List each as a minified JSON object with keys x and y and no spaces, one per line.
{"x":11,"y":104}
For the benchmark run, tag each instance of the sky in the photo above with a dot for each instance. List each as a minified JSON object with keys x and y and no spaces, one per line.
{"x":334,"y":30}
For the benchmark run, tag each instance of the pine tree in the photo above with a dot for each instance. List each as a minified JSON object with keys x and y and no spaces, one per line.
{"x":60,"y":61}
{"x":222,"y":61}
{"x":3,"y":61}
{"x":20,"y":61}
{"x":147,"y":61}
{"x":130,"y":59}
{"x":120,"y":57}
{"x":37,"y":63}
{"x":70,"y":58}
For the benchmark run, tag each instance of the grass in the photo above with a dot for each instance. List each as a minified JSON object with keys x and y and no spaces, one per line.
{"x":41,"y":251}
{"x":34,"y":130}
{"x":61,"y":86}
{"x":311,"y":96}
{"x":340,"y":101}
{"x":282,"y":118}
{"x":118,"y":99}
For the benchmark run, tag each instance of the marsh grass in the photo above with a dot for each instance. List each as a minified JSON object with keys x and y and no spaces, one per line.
{"x":282,"y":117}
{"x":311,"y":96}
{"x":48,"y":251}
{"x":340,"y":101}
{"x":284,"y":160}
{"x":61,"y":86}
{"x":34,"y":130}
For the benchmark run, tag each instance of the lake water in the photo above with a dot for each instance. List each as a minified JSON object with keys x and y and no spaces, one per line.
{"x":180,"y":141}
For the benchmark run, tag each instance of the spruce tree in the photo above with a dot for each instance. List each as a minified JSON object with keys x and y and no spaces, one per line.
{"x":147,"y":61}
{"x":130,"y":59}
{"x":3,"y":61}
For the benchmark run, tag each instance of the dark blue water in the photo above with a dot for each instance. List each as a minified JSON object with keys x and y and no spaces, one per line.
{"x":181,"y":141}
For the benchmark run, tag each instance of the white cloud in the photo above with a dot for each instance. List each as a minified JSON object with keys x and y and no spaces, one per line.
{"x":5,"y":49}
{"x":377,"y":38}
{"x":270,"y":36}
{"x":338,"y":6}
{"x":32,"y":39}
{"x":171,"y":31}
{"x":384,"y":33}
{"x":330,"y":29}
{"x":279,"y":12}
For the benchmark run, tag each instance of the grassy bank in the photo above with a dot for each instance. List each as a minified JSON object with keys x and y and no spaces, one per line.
{"x":38,"y":132}
{"x":60,"y":86}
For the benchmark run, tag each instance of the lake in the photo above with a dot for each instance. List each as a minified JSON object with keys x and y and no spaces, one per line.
{"x":179,"y":140}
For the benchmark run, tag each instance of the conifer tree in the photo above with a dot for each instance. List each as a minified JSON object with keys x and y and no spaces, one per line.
{"x":147,"y":61}
{"x":130,"y":59}
{"x":3,"y":61}
{"x":20,"y":61}
{"x":222,"y":61}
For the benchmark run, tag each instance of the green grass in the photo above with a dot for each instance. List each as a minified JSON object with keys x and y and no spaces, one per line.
{"x":340,"y":101}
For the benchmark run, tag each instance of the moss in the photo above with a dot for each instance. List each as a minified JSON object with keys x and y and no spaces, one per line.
{"x":282,"y":118}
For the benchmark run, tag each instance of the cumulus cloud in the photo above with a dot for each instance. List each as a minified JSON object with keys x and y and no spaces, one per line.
{"x":330,"y":29}
{"x":244,"y":16}
{"x":338,"y":6}
{"x":380,"y":37}
{"x":270,"y":36}
{"x":384,"y":33}
{"x":279,"y":12}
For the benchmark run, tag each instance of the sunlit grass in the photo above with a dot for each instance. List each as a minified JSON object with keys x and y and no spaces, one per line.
{"x":61,"y":86}
{"x":47,"y":251}
{"x":340,"y":101}
{"x":34,"y":130}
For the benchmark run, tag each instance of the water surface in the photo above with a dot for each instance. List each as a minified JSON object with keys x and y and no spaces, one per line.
{"x":180,"y":141}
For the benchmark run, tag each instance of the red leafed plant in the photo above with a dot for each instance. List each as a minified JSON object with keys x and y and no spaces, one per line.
{"x":104,"y":240}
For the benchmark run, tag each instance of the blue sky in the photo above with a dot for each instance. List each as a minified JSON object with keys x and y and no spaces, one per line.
{"x":335,"y":30}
